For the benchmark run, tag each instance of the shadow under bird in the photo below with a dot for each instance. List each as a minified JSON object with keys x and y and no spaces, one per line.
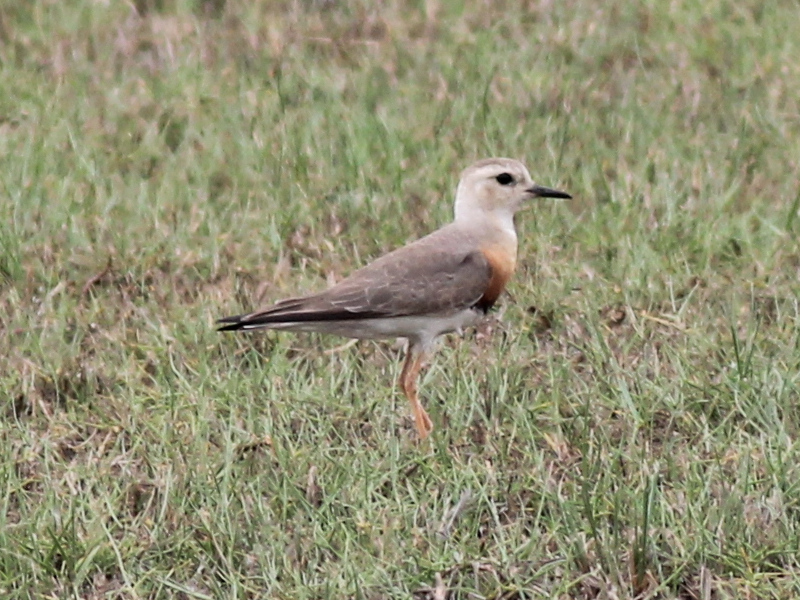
{"x":438,"y":284}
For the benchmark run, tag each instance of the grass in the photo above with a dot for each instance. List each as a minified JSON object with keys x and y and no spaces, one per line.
{"x":625,"y":427}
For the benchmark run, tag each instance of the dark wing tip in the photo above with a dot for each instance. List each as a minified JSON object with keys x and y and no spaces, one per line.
{"x":232,"y":323}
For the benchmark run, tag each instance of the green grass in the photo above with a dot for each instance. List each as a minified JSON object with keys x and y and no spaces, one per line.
{"x":626,"y":428}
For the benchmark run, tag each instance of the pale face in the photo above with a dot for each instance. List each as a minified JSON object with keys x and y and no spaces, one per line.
{"x":497,"y":187}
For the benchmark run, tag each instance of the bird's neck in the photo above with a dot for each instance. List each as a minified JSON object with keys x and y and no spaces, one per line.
{"x":495,"y":224}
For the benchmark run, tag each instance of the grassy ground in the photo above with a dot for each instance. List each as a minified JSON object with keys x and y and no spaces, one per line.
{"x":627,"y":426}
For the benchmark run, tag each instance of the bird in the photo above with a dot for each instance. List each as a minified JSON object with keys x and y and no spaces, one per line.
{"x":438,"y":284}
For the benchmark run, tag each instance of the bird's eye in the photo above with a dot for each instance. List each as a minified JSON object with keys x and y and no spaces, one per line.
{"x":504,"y":179}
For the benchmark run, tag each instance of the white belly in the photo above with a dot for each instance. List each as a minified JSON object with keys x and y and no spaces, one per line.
{"x":422,"y":329}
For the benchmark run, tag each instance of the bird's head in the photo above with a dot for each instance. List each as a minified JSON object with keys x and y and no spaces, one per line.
{"x":497,"y":187}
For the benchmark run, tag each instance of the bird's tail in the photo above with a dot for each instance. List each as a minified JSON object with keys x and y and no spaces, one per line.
{"x":285,"y":311}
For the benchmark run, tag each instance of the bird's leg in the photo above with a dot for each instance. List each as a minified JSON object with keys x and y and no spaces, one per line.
{"x":408,"y":383}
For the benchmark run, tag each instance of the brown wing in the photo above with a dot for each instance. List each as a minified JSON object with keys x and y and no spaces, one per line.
{"x":438,"y":273}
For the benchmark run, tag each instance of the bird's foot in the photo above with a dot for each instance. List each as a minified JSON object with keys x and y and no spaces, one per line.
{"x":423,"y":422}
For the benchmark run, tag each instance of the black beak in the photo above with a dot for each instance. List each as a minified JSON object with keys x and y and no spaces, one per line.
{"x":540,"y":191}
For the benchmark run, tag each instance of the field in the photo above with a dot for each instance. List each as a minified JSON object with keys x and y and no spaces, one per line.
{"x":624,"y":426}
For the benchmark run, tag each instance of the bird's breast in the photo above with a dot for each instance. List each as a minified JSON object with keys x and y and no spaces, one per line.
{"x":502,"y":260}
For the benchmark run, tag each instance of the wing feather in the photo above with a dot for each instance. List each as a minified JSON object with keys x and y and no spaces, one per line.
{"x":439,"y":273}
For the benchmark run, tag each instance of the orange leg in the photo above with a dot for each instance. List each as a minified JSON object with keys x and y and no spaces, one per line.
{"x":408,"y":383}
